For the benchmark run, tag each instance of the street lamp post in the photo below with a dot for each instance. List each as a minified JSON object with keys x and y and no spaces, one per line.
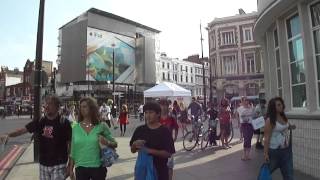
{"x":203,"y":72}
{"x":113,"y":83}
{"x":37,"y":81}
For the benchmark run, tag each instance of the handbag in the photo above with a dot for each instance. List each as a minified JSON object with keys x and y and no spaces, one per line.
{"x":144,"y":168}
{"x":265,"y":173}
{"x":108,"y":156}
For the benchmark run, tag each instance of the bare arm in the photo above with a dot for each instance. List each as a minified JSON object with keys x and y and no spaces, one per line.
{"x":17,"y":132}
{"x":159,"y":153}
{"x":134,"y":149}
{"x":267,"y":135}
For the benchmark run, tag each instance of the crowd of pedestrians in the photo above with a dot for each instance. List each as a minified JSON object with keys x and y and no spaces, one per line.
{"x":71,"y":139}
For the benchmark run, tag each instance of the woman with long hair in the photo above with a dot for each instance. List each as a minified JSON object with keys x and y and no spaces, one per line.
{"x":277,"y":145}
{"x":183,"y":118}
{"x":87,"y":135}
{"x":224,"y":119}
{"x":123,"y":119}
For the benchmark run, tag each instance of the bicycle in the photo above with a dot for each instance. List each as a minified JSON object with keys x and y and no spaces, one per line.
{"x":212,"y":132}
{"x":192,"y":138}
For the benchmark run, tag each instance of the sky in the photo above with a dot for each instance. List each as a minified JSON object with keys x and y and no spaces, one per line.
{"x":178,"y":21}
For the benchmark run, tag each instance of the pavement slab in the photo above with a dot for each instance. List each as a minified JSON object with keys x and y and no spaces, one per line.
{"x":212,"y":163}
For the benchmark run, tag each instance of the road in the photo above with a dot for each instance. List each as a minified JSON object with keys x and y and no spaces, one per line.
{"x":15,"y":146}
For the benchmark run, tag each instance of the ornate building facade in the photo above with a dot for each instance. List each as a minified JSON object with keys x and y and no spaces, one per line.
{"x":237,"y":68}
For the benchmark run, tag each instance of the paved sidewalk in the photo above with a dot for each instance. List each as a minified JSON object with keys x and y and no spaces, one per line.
{"x":213,"y":163}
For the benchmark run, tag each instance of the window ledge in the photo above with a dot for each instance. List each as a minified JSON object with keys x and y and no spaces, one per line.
{"x":303,"y":114}
{"x":251,"y":41}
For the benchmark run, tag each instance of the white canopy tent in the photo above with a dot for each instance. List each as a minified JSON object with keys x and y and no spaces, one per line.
{"x":167,"y":89}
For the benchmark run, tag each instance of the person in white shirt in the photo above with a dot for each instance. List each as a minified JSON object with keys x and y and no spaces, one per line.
{"x":140,"y":110}
{"x":105,"y":114}
{"x":72,"y":114}
{"x":245,"y":116}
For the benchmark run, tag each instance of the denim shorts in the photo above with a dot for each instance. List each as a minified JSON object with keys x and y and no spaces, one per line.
{"x":170,"y":162}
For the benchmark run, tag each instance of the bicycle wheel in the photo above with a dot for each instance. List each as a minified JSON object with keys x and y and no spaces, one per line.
{"x":231,"y":133}
{"x":205,"y":140}
{"x":190,"y":141}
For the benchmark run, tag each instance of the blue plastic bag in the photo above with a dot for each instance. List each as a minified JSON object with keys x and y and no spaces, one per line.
{"x":265,"y":172}
{"x":144,"y":168}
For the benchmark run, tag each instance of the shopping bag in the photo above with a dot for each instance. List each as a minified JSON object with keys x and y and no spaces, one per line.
{"x":264,"y":173}
{"x":258,"y":123}
{"x":144,"y":168}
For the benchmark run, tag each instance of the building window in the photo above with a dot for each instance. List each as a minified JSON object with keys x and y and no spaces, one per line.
{"x":175,"y":77}
{"x":249,"y":63}
{"x":229,"y":65}
{"x":247,"y":34}
{"x":191,"y":70}
{"x":169,"y":76}
{"x":181,"y":68}
{"x":186,"y":68}
{"x":191,"y":79}
{"x":186,"y":79}
{"x":181,"y":78}
{"x":298,"y":79}
{"x":277,"y":59}
{"x":163,"y":65}
{"x":227,"y":38}
{"x":163,"y":76}
{"x":168,"y":65}
{"x":315,"y":16}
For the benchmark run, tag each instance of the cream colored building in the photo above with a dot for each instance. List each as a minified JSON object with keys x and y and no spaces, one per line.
{"x":235,"y":57}
{"x":289,"y":33}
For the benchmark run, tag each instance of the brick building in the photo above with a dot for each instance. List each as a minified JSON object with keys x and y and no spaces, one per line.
{"x":235,"y":57}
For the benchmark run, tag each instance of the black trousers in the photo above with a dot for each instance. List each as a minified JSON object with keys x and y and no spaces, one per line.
{"x":86,"y":173}
{"x":108,"y":123}
{"x":124,"y":127}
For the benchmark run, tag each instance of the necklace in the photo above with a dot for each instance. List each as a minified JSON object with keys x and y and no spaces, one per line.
{"x":87,"y":125}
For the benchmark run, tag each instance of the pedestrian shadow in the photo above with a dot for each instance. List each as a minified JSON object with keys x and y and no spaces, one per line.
{"x":183,"y":156}
{"x":226,"y":167}
{"x":126,"y":160}
{"x":122,"y":177}
{"x":25,"y":163}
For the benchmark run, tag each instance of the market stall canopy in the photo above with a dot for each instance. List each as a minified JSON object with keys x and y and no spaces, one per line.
{"x":167,"y":89}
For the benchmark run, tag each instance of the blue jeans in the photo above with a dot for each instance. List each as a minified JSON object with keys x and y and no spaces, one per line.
{"x":282,"y":158}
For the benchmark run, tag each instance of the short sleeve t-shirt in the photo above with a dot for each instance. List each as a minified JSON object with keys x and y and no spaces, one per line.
{"x":159,"y":139}
{"x":54,"y":136}
{"x":105,"y":112}
{"x":246,"y":114}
